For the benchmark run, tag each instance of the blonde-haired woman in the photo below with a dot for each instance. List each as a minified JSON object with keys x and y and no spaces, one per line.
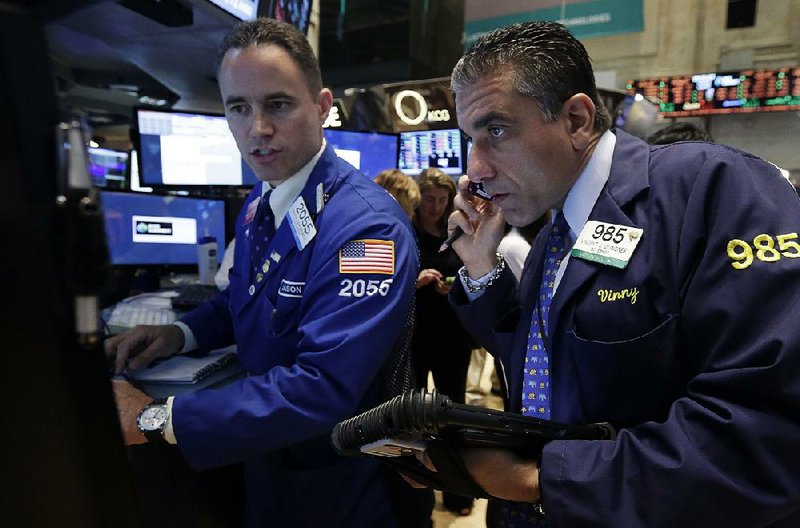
{"x":402,"y":187}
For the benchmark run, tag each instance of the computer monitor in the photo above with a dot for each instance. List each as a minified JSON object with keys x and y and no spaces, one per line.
{"x":369,"y":152}
{"x":108,"y":167}
{"x":182,"y":149}
{"x":423,"y":149}
{"x":157,"y":230}
{"x":241,"y":9}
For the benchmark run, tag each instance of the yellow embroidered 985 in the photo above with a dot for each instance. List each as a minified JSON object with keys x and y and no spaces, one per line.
{"x":763,"y":249}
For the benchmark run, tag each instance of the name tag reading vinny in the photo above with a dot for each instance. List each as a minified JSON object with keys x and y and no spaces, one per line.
{"x":609,"y":244}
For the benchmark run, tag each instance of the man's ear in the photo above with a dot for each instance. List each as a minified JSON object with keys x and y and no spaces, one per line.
{"x":579,"y":112}
{"x":324,"y":102}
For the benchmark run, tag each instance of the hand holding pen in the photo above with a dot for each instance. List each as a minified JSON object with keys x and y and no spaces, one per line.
{"x":476,"y":189}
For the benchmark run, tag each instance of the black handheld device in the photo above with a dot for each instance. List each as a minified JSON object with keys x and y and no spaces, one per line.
{"x":427,"y":421}
{"x":407,"y":422}
{"x":476,"y":188}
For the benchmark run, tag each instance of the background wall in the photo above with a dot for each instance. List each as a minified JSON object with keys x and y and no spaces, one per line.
{"x":690,"y":36}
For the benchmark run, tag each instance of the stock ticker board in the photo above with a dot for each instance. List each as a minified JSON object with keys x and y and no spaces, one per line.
{"x":723,"y":92}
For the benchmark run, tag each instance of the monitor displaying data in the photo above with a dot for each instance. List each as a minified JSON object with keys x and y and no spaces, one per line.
{"x":107,"y":167}
{"x":187,"y":149}
{"x":422,"y":149}
{"x":149,"y":229}
{"x":722,"y":92}
{"x":369,"y":152}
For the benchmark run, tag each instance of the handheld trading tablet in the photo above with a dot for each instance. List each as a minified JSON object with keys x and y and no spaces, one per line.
{"x":421,"y":420}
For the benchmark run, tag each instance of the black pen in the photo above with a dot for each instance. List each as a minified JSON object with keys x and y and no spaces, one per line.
{"x":475,"y":189}
{"x":457,"y":232}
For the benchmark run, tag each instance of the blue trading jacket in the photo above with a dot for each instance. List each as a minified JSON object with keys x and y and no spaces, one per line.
{"x":312,"y":340}
{"x":692,"y":351}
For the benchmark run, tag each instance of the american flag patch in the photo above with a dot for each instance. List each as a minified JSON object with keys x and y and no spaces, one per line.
{"x":367,"y":256}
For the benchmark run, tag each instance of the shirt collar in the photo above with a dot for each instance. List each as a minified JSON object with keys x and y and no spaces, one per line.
{"x":586,"y":190}
{"x":289,"y":189}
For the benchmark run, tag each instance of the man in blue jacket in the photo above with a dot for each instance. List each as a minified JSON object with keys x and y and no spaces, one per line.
{"x":673,"y":317}
{"x":322,"y":280}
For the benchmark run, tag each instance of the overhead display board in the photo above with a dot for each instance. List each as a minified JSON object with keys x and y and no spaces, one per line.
{"x":584,"y":18}
{"x":722,"y":92}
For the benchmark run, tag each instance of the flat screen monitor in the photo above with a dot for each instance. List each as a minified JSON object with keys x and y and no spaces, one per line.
{"x":108,"y":167}
{"x":180,"y":149}
{"x":241,"y":9}
{"x":157,"y":230}
{"x":369,"y":152}
{"x":423,"y":149}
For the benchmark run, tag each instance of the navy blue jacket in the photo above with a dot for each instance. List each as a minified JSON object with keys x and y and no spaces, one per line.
{"x":699,"y":370}
{"x":312,"y":339}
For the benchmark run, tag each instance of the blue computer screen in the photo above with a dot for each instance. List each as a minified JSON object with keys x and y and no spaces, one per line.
{"x":107,"y":167}
{"x":423,"y":149}
{"x":369,"y":152}
{"x":186,"y":149}
{"x":150,"y":229}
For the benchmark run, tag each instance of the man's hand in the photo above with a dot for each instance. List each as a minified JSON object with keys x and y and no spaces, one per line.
{"x":503,"y":474}
{"x":130,"y":401}
{"x":483,"y":228}
{"x":140,"y":346}
{"x":500,"y":473}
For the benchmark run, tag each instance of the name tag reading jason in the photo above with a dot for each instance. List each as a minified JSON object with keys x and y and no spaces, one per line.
{"x":302,"y":225}
{"x":609,"y":244}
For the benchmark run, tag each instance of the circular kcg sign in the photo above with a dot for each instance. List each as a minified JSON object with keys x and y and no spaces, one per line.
{"x":411,"y":116}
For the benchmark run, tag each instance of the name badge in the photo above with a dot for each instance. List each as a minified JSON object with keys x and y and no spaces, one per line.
{"x":302,"y":225}
{"x":609,"y":244}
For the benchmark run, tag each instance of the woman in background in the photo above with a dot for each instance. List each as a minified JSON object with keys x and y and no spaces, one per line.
{"x":441,"y":345}
{"x":402,"y":187}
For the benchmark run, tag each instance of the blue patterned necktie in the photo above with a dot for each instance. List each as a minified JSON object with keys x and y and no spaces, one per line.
{"x":536,"y":380}
{"x":261,"y":231}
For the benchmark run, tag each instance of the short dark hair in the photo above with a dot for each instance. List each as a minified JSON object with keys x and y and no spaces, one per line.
{"x":271,"y":31}
{"x":546,"y":61}
{"x":678,"y":131}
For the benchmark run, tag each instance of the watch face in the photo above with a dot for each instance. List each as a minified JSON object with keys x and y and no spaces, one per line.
{"x":153,"y":418}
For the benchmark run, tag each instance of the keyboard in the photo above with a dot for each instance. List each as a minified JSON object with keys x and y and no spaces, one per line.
{"x":191,"y":295}
{"x":127,"y":315}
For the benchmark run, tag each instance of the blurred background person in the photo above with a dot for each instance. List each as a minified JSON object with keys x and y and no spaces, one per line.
{"x":441,"y":345}
{"x":402,"y":187}
{"x":678,"y":131}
